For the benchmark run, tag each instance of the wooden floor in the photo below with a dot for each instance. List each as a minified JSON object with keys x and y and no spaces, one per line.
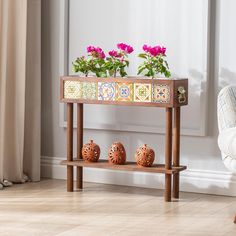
{"x":46,"y":209}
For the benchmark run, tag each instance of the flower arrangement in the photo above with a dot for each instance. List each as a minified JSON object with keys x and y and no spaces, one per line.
{"x":97,"y":63}
{"x":100,"y":65}
{"x":94,"y":63}
{"x":118,"y":60}
{"x":154,"y":62}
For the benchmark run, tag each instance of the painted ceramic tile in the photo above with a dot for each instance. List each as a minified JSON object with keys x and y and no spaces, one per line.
{"x":142,"y":92}
{"x":161,"y":93}
{"x":124,"y":92}
{"x":90,"y":90}
{"x":72,"y":90}
{"x":106,"y":91}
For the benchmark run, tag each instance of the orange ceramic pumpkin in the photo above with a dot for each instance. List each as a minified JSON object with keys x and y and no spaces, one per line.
{"x":91,"y":152}
{"x":145,"y":156}
{"x":117,"y":154}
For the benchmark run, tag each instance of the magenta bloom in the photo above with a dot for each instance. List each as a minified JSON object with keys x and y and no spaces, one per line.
{"x":96,"y":52}
{"x":154,"y":51}
{"x":98,"y":49}
{"x":163,"y":49}
{"x":101,"y":55}
{"x":125,"y":47}
{"x":129,"y":49}
{"x":146,"y":48}
{"x":90,"y":49}
{"x":114,"y":53}
{"x":121,"y":46}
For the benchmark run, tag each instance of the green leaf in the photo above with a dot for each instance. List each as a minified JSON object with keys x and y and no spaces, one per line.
{"x":142,"y":55}
{"x":166,"y":64}
{"x":101,"y":74}
{"x":167,"y":74}
{"x":141,"y":69}
{"x":123,"y":73}
{"x":111,"y":72}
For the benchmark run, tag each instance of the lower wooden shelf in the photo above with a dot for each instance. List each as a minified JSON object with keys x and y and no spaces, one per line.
{"x":129,"y":166}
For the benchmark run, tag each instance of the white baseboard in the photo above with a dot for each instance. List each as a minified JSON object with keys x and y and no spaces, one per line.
{"x":199,"y":181}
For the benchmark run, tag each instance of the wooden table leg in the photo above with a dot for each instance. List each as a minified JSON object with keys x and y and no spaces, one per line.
{"x":69,"y":146}
{"x":176,"y":151}
{"x":168,"y":153}
{"x":79,"y":144}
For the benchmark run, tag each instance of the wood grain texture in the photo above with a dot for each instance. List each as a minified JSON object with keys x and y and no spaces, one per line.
{"x":177,"y":84}
{"x":168,"y":154}
{"x":70,"y":146}
{"x":80,"y":126}
{"x":130,"y":79}
{"x":167,"y":168}
{"x":45,"y":209}
{"x":129,"y":166}
{"x":176,"y":150}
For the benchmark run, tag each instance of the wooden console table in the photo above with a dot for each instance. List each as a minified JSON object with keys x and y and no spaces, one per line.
{"x":170,"y":94}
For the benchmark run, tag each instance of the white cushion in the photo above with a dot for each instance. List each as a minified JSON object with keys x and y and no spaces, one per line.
{"x":227,"y":145}
{"x":229,"y":162}
{"x":226,"y":109}
{"x":227,"y":142}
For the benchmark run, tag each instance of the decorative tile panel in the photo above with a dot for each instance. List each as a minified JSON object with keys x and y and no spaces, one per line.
{"x":106,"y":91}
{"x":161,"y":93}
{"x":124,"y":92}
{"x":89,"y":90}
{"x":142,"y":92}
{"x":130,"y":91}
{"x":72,"y":90}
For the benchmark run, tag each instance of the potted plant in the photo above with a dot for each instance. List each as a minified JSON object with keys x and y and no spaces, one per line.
{"x":94,"y":62}
{"x":154,"y":61}
{"x":98,"y":64}
{"x":118,"y":60}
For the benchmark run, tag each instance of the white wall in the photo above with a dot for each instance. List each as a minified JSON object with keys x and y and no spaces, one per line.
{"x":206,"y":172}
{"x":181,"y":26}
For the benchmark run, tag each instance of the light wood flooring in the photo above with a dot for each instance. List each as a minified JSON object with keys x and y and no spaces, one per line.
{"x":46,"y":209}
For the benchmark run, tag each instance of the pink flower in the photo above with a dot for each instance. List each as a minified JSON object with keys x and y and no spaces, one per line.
{"x":154,"y":51}
{"x":96,"y":52}
{"x":90,"y":49}
{"x":98,"y":49}
{"x":114,"y":53}
{"x":163,"y":50}
{"x":101,"y":55}
{"x":146,"y":48}
{"x":125,"y":47}
{"x":121,"y":46}
{"x":129,"y":49}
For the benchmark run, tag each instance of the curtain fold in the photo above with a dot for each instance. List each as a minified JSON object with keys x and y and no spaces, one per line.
{"x":20,"y":89}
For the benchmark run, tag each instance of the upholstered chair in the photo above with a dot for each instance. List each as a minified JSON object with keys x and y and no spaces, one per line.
{"x":226,"y":109}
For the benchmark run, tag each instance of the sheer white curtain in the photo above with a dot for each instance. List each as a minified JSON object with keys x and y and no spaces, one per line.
{"x":20,"y":90}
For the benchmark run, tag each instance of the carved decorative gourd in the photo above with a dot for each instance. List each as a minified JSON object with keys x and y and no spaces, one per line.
{"x":91,"y":152}
{"x":117,"y":154}
{"x":145,"y":156}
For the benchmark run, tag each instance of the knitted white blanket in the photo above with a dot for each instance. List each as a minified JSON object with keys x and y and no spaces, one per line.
{"x":226,"y":109}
